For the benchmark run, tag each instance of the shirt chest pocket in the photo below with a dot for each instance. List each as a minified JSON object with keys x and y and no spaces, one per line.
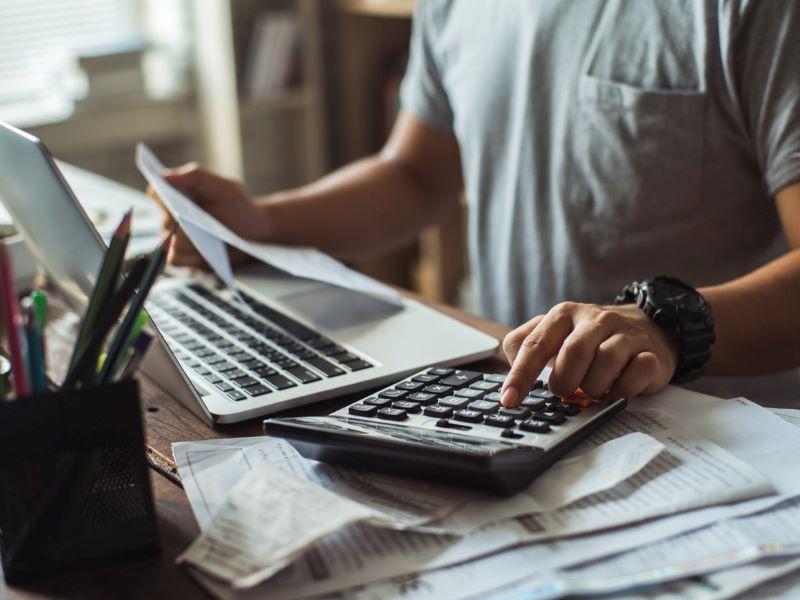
{"x":638,"y":153}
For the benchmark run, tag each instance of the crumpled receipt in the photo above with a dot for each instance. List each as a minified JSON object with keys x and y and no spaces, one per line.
{"x":567,"y":481}
{"x":271,"y":516}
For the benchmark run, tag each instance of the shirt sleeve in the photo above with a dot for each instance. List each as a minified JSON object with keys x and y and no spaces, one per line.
{"x":422,"y":92}
{"x":766,"y":56}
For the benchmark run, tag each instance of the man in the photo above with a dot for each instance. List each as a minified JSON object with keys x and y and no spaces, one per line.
{"x":599,"y":143}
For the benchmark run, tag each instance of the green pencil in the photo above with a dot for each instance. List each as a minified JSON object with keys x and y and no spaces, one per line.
{"x":106,"y":284}
{"x":124,"y":337}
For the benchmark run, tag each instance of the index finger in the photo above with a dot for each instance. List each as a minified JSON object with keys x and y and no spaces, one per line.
{"x":540,"y":346}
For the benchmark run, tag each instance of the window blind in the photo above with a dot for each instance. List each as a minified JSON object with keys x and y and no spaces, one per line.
{"x":36,"y":36}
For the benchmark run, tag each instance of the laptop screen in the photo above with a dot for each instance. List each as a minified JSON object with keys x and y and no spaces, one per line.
{"x":46,"y":212}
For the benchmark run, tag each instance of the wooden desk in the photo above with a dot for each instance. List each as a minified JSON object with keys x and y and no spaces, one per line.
{"x":167,"y":421}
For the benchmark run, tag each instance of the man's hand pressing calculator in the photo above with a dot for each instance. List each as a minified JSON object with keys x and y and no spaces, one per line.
{"x":447,"y":425}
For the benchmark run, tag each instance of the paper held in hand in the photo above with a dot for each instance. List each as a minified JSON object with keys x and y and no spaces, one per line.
{"x":210,"y":236}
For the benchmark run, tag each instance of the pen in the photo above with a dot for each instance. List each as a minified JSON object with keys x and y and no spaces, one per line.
{"x":34,"y":336}
{"x":13,"y":324}
{"x":106,"y":283}
{"x":124,"y":337}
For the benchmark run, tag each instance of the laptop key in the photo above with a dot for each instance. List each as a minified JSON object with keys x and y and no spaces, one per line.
{"x":224,"y":387}
{"x":257,"y":390}
{"x":236,"y":395}
{"x":344,"y":357}
{"x":325,"y":366}
{"x":265,"y":371}
{"x":304,"y":375}
{"x":280,"y":382}
{"x":245,"y":381}
{"x":358,"y":365}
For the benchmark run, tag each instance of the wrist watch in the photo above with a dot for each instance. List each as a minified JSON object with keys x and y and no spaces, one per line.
{"x":678,"y":307}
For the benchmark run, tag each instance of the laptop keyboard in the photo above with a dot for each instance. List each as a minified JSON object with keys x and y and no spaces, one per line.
{"x":244,"y":354}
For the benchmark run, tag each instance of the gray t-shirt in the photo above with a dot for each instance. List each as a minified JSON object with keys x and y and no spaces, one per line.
{"x":608,"y":141}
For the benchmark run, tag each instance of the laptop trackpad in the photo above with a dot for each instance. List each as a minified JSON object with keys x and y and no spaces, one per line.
{"x":332,"y":307}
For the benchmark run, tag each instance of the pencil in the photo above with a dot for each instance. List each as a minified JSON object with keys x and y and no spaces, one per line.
{"x":33,"y":331}
{"x":13,"y":324}
{"x":124,"y":337}
{"x":86,"y":358}
{"x":106,"y":283}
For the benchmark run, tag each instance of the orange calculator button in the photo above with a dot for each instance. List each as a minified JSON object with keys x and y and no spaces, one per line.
{"x":580,"y":398}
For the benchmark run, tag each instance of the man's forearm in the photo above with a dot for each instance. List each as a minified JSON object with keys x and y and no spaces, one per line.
{"x":366,"y":208}
{"x":757,"y":320}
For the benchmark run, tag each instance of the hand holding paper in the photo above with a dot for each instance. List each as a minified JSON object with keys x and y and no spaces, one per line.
{"x":210,"y":237}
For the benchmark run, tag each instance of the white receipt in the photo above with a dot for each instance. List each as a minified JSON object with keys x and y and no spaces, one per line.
{"x":210,"y":237}
{"x":723,"y":545}
{"x":268,"y":519}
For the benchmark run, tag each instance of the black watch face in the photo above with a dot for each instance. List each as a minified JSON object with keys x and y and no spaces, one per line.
{"x":675,"y":295}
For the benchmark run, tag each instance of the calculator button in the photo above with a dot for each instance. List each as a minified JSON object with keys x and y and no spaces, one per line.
{"x":440,"y":371}
{"x":520,"y":412}
{"x":483,"y":406}
{"x":494,"y":378}
{"x":579,"y":399}
{"x":468,"y":393}
{"x":534,"y":426}
{"x":486,"y":386}
{"x":543,"y":394}
{"x":554,"y":418}
{"x":379,"y":402}
{"x":568,"y":409}
{"x":453,"y":402}
{"x":409,"y":407}
{"x":392,"y":414}
{"x":461,"y":378}
{"x":534,"y":403}
{"x":437,"y":389}
{"x":410,"y":386}
{"x":393,"y":394}
{"x":498,"y":421}
{"x":507,"y":433}
{"x":426,"y":378}
{"x":422,"y":398}
{"x":492,"y":396}
{"x":363,"y":410}
{"x":539,"y":385}
{"x":437,"y":410}
{"x":468,"y":415}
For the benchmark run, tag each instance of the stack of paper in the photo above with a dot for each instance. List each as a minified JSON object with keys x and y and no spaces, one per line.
{"x":679,"y":485}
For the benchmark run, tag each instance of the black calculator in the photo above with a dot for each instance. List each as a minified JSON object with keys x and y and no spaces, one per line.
{"x":447,"y":426}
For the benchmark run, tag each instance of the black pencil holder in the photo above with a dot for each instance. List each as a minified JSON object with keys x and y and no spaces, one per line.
{"x":74,"y":484}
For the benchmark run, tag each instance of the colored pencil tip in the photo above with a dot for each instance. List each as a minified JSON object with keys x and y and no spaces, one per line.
{"x":124,"y":227}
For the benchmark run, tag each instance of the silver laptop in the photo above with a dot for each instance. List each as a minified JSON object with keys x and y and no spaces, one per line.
{"x":294,"y":342}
